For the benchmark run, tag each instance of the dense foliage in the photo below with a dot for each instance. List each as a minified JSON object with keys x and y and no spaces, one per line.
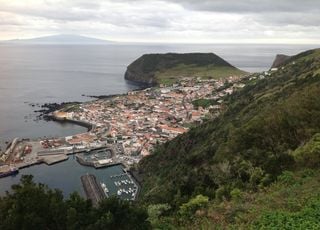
{"x":35,"y":206}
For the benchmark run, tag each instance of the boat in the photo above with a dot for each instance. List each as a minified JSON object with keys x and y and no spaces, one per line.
{"x":104,"y":187}
{"x":10,"y":171}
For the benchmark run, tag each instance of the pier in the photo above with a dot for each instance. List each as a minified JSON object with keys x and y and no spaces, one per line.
{"x":93,"y":189}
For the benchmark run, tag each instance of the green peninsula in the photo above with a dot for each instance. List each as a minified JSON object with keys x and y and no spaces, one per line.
{"x":168,"y":68}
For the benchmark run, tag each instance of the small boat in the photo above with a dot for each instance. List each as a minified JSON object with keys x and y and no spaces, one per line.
{"x":104,"y":187}
{"x":9,"y":172}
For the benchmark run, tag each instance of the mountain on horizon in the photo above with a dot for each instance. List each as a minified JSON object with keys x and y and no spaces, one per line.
{"x":63,"y":39}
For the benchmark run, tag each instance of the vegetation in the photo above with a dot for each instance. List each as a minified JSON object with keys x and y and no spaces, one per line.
{"x":204,"y":103}
{"x":172,"y":75}
{"x":35,"y":206}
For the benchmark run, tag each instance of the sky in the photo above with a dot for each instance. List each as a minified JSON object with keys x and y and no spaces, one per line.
{"x":184,"y":21}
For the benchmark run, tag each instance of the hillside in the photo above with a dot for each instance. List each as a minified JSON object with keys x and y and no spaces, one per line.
{"x":269,"y":127}
{"x":167,"y":68}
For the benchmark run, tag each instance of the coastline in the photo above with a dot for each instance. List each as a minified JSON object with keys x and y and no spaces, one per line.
{"x":70,"y":112}
{"x":131,"y":124}
{"x":47,"y":111}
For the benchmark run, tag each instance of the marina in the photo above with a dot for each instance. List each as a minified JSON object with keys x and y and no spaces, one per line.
{"x":126,"y":186}
{"x":122,"y":186}
{"x":61,"y":177}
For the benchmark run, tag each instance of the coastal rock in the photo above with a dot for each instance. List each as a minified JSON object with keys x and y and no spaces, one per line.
{"x":280,"y":60}
{"x":48,"y":108}
{"x":145,"y":68}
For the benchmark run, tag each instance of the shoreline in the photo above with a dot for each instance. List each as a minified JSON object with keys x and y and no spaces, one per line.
{"x":47,"y":113}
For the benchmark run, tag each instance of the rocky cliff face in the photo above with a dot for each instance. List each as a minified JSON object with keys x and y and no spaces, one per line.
{"x":144,"y":69}
{"x":279,"y":60}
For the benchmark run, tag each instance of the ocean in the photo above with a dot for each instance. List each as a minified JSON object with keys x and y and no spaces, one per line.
{"x":31,"y":75}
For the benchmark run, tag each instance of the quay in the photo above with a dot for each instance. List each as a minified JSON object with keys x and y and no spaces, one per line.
{"x":93,"y":189}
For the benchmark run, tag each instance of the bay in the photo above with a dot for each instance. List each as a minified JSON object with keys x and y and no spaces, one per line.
{"x":37,"y":74}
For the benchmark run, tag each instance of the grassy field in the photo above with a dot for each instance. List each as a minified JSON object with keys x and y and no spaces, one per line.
{"x":171,"y":76}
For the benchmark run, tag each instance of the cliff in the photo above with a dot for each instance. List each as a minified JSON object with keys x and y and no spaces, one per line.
{"x":166,"y":68}
{"x":279,"y":60}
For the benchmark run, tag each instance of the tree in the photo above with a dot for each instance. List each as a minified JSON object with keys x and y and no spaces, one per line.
{"x":35,"y":206}
{"x":32,"y":206}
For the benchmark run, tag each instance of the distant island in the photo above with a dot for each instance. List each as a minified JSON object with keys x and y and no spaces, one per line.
{"x":167,"y":68}
{"x":60,"y":39}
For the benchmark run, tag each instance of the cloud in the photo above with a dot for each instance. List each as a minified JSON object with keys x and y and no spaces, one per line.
{"x":164,"y":20}
{"x":276,"y":12}
{"x":250,"y":6}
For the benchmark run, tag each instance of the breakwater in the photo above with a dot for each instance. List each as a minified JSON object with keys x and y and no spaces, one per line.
{"x":87,"y":125}
{"x":93,"y":189}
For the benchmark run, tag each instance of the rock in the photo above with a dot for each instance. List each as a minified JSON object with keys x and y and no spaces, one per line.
{"x":279,"y":60}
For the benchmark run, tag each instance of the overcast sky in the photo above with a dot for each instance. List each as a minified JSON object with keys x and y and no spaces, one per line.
{"x":196,"y":21}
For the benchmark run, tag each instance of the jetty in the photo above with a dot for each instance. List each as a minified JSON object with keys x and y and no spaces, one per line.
{"x":93,"y":189}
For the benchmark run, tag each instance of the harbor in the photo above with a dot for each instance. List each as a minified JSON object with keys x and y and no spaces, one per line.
{"x":61,"y":177}
{"x":102,"y":161}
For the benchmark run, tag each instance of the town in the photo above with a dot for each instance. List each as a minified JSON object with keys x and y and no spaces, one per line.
{"x":125,"y":128}
{"x":129,"y":125}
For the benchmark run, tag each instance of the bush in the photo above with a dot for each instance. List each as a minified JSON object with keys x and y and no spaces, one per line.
{"x":188,"y":209}
{"x":309,"y":154}
{"x":236,"y":194}
{"x":287,"y":177}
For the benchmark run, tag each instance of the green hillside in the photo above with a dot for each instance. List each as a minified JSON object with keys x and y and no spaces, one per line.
{"x":268,"y":127}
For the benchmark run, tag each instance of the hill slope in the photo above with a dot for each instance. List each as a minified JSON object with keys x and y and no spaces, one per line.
{"x":166,"y":68}
{"x":249,"y":146}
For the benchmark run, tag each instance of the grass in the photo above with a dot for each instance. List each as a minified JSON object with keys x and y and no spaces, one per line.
{"x":172,"y":75}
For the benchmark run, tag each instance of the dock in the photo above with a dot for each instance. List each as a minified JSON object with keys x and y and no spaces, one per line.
{"x":54,"y":159}
{"x":93,"y":189}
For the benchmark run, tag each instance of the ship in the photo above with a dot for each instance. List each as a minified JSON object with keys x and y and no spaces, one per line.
{"x":8,"y":171}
